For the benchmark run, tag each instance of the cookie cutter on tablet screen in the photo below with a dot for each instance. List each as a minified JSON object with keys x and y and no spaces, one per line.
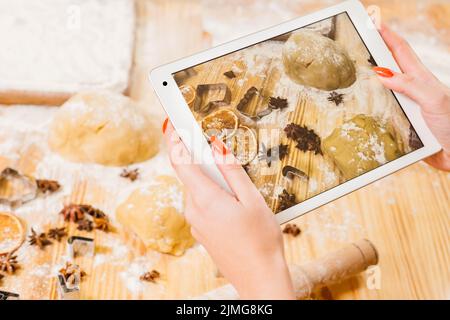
{"x":202,"y":90}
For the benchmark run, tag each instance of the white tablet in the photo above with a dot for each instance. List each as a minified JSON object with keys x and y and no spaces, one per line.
{"x":301,"y":108}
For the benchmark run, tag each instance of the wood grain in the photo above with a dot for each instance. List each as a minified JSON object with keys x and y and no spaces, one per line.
{"x":406,"y":215}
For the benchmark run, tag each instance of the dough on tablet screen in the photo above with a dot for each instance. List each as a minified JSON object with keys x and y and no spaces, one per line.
{"x":360,"y":145}
{"x":154,"y":213}
{"x":314,"y":60}
{"x":104,"y":128}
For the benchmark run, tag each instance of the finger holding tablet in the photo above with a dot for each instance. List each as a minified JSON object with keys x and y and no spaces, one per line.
{"x":419,"y":84}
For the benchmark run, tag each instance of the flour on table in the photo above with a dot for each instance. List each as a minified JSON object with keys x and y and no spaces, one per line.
{"x":131,"y":276}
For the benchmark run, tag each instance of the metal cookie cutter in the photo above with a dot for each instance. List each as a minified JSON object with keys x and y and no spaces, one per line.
{"x":16,"y":188}
{"x":67,"y":291}
{"x":80,"y":246}
{"x":202,"y":91}
{"x":5,"y":295}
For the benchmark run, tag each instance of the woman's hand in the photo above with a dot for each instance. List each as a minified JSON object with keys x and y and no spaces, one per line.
{"x":239,"y":232}
{"x":419,"y":84}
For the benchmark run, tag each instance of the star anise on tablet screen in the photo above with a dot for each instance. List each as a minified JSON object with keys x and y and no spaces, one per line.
{"x":39,"y":240}
{"x":278,"y":103}
{"x":307,"y":139}
{"x":335,"y":97}
{"x":48,"y":185}
{"x":286,"y":200}
{"x":230,"y":74}
{"x":273,"y":154}
{"x":8,"y":263}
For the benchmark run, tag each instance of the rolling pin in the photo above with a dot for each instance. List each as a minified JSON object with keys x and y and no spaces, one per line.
{"x":333,"y":267}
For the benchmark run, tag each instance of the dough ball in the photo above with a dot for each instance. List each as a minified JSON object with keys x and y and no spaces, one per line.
{"x":360,"y":145}
{"x":104,"y":128}
{"x":154,"y":213}
{"x":313,"y":60}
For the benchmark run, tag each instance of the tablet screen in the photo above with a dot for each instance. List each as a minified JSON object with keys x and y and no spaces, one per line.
{"x":303,"y":112}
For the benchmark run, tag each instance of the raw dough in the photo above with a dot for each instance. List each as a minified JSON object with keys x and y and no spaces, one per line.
{"x":313,"y":60}
{"x":154,"y":213}
{"x":360,"y":145}
{"x":104,"y":128}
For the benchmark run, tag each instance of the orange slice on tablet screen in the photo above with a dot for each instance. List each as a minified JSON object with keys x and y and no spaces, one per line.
{"x":222,"y":123}
{"x":188,"y":93}
{"x":244,"y":145}
{"x":12,"y":233}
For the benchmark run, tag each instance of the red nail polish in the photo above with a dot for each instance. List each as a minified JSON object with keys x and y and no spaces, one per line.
{"x":219,"y":146}
{"x":164,"y":126}
{"x":383,"y":72}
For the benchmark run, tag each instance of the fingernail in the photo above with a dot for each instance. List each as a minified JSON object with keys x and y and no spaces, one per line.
{"x":164,"y":126}
{"x":383,"y":72}
{"x":219,"y":146}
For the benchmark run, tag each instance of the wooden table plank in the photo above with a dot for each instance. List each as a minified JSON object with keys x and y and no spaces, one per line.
{"x":406,"y":214}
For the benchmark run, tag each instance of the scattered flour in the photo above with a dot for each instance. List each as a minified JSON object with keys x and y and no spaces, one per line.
{"x":134,"y":271}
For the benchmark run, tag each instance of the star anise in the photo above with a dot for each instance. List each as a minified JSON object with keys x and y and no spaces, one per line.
{"x":85,"y":225}
{"x":72,"y":273}
{"x":57,"y":233}
{"x":130,"y":174}
{"x":76,"y":212}
{"x":335,"y":97}
{"x":307,"y":140}
{"x":273,"y":154}
{"x":286,"y":200}
{"x":8,"y":263}
{"x":48,"y":186}
{"x":102,"y":223}
{"x":39,"y":240}
{"x":278,"y":103}
{"x":93,"y":212}
{"x":72,"y":212}
{"x":150,"y":276}
{"x":292,"y":229}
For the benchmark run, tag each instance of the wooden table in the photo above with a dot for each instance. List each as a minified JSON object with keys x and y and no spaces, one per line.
{"x":405,"y":215}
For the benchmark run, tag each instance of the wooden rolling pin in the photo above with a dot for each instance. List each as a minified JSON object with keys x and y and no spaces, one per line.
{"x":334,"y":267}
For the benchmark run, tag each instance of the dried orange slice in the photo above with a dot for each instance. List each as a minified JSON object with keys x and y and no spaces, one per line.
{"x":222,"y":123}
{"x":244,"y":145}
{"x":188,"y":93}
{"x":11,"y":233}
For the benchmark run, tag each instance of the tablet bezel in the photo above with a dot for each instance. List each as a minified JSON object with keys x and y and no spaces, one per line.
{"x":190,"y":132}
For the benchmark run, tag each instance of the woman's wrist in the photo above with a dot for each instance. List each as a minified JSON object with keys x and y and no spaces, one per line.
{"x":268,"y":281}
